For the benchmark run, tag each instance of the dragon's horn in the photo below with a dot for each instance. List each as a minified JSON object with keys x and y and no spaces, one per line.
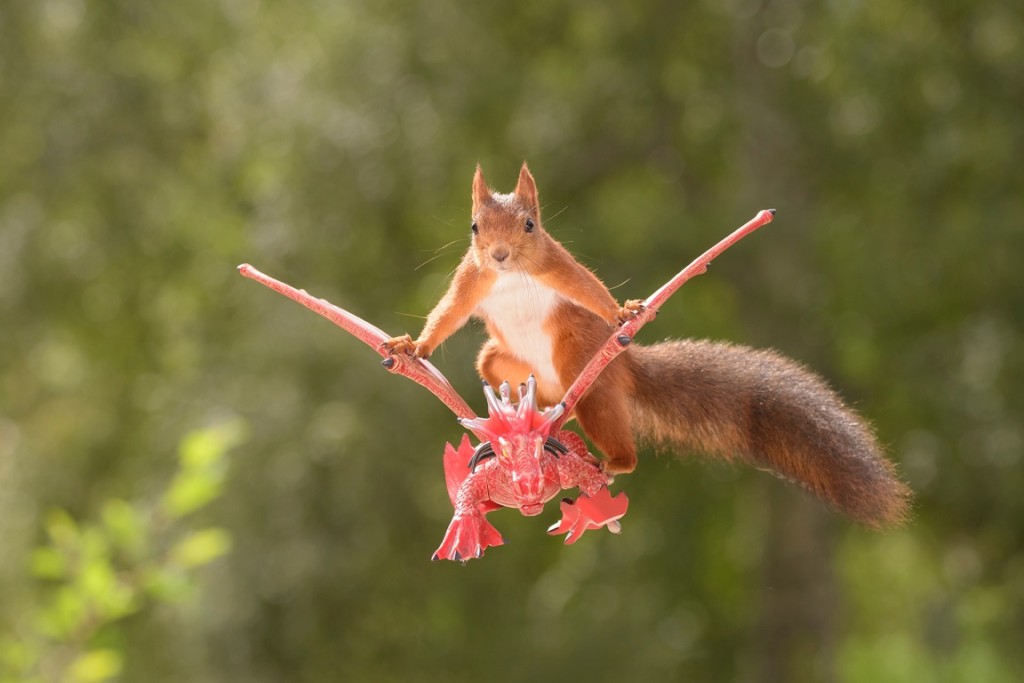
{"x":528,"y":399}
{"x":495,"y":406}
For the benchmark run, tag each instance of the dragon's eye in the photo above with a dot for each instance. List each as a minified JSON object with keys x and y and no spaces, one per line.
{"x":475,"y":229}
{"x":529,"y":225}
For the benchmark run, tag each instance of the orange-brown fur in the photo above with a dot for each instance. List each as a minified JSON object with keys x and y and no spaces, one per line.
{"x":718,"y":398}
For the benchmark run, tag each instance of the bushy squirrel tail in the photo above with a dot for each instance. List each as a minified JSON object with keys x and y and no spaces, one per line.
{"x":771,"y":412}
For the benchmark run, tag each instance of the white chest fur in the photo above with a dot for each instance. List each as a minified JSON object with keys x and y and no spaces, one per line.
{"x":518,"y":305}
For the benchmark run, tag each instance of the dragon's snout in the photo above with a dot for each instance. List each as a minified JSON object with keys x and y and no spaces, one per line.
{"x":531,"y":510}
{"x":528,"y":488}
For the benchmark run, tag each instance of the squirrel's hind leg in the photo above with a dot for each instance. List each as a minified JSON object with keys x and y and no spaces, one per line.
{"x":605,"y":417}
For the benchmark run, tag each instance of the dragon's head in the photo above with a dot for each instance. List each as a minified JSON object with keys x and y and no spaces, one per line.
{"x":519,"y":436}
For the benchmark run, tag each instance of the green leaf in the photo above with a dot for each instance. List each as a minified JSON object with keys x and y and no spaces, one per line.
{"x":204,"y":447}
{"x":63,"y":613}
{"x":94,"y":666}
{"x":200,"y":449}
{"x":201,"y":547}
{"x":17,"y":655}
{"x":124,"y":524}
{"x":201,"y":474}
{"x":97,"y":579}
{"x":189,"y":492}
{"x":167,"y":584}
{"x":49,"y":563}
{"x":61,"y":528}
{"x":95,"y":545}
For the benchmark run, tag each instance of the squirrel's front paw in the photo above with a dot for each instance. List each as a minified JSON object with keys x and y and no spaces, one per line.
{"x":630,"y":310}
{"x":405,"y":344}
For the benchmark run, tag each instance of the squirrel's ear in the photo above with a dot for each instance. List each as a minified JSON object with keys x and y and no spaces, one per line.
{"x":481,"y":194}
{"x":526,"y":188}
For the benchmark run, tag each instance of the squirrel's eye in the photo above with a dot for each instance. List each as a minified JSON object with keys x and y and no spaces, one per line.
{"x":529,"y":225}
{"x":475,"y":229}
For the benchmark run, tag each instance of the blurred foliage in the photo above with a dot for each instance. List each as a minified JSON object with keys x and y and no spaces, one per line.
{"x":150,"y":147}
{"x":106,"y":570}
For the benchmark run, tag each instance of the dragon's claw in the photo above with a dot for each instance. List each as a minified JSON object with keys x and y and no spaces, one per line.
{"x":590,"y":512}
{"x":467,"y":537}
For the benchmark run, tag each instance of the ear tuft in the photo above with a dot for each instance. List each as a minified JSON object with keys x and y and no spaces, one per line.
{"x":526,"y":189}
{"x":481,"y":193}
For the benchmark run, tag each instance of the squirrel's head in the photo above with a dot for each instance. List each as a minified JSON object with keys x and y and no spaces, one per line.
{"x":506,"y":227}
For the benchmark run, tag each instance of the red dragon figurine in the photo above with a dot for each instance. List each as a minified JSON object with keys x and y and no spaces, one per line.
{"x":524,"y":458}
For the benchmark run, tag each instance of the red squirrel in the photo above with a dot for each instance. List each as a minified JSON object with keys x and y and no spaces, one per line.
{"x":546,"y":315}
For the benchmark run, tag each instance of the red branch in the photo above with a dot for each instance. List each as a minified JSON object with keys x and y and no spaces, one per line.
{"x":622,"y":337}
{"x":418,"y":370}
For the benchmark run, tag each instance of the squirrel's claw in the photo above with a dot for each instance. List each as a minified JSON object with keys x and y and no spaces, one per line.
{"x":630,"y":310}
{"x":405,"y":344}
{"x":467,"y":537}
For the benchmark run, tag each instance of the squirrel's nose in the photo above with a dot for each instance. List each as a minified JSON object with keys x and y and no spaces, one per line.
{"x":499,"y":254}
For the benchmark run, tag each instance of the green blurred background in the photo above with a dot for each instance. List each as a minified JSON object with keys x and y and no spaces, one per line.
{"x":147,"y":148}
